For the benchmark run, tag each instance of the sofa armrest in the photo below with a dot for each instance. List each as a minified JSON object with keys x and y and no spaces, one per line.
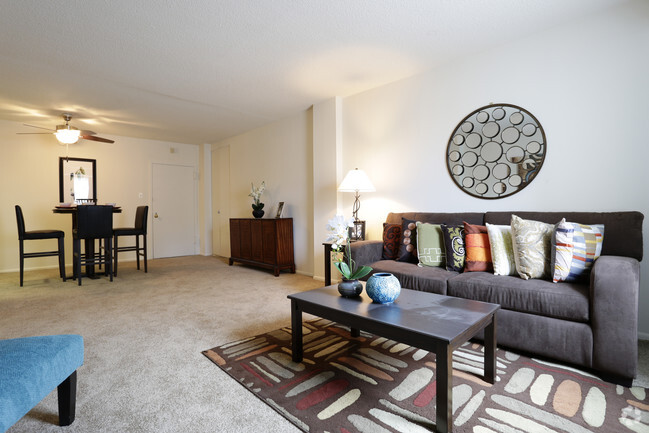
{"x":364,"y":253}
{"x":614,"y":287}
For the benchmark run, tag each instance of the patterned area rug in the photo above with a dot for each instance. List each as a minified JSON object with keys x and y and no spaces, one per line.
{"x":374,"y":385}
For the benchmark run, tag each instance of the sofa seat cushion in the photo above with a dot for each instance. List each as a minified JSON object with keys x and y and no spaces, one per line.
{"x":31,"y":368}
{"x":426,"y":278}
{"x":568,"y":301}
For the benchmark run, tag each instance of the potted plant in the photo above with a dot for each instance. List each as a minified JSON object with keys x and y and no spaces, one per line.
{"x":255,"y":193}
{"x":338,"y":228}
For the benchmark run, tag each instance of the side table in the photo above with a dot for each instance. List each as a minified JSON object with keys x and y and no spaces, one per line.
{"x":327,"y":262}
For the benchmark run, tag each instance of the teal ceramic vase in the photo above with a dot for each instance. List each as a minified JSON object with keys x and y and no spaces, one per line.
{"x":350,"y":288}
{"x":383,"y":288}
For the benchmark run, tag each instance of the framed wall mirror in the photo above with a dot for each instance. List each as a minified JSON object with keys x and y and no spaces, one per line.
{"x":77,"y":180}
{"x":496,"y":151}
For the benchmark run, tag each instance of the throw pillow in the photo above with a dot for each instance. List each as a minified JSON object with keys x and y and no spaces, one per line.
{"x":454,"y":247}
{"x":391,"y":238}
{"x":575,"y":247}
{"x":430,"y":245}
{"x":532,"y":242}
{"x":408,"y":245}
{"x":502,"y":250}
{"x":478,"y":251}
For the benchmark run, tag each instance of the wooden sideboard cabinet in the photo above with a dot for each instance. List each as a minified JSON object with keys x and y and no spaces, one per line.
{"x":267,"y":243}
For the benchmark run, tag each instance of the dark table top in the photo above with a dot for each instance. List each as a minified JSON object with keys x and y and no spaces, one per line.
{"x":443,"y":317}
{"x":73,"y":209}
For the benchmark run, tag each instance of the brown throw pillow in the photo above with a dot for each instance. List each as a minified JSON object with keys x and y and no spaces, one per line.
{"x":478,"y":250}
{"x":391,"y":238}
{"x":408,"y":245}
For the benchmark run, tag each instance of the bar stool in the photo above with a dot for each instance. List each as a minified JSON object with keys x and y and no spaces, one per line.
{"x":24,"y":235}
{"x":93,"y":222}
{"x":141,"y":218}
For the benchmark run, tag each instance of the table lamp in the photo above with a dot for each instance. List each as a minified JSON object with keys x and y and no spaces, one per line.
{"x":356,"y":181}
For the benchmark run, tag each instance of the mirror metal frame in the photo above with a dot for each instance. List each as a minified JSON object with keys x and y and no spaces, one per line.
{"x":478,"y":139}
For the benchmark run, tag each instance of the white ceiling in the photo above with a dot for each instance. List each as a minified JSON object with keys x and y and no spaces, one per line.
{"x":199,"y":71}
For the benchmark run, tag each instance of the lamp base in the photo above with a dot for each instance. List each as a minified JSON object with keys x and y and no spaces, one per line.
{"x":357,"y":233}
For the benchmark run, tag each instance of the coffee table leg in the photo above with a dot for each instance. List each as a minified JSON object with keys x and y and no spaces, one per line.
{"x":490,"y":351}
{"x":355,"y":332}
{"x":444,"y":415}
{"x":296,"y":331}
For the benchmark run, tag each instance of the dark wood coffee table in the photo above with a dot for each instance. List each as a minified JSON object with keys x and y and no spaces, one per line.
{"x":435,"y":323}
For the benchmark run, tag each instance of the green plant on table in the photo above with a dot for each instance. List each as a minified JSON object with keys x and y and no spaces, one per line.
{"x":338,"y":228}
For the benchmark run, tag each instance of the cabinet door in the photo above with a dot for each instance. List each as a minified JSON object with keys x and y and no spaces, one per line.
{"x":235,"y":238}
{"x":285,"y":241}
{"x":256,"y":233}
{"x":269,"y":241}
{"x":246,"y":241}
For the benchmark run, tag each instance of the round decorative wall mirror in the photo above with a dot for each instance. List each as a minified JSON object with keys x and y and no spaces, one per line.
{"x":496,"y":151}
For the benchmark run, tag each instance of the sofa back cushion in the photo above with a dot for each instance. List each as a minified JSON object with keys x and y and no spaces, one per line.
{"x":437,"y":217}
{"x":623,"y":229}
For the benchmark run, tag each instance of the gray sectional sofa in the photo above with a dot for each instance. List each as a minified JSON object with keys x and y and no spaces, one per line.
{"x":591,"y":325}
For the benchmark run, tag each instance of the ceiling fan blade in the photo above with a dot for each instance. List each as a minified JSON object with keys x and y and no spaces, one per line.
{"x":39,"y":127}
{"x":86,"y":132}
{"x":31,"y":133}
{"x":95,"y":138}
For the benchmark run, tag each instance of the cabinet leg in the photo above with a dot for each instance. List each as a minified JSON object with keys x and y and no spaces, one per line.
{"x":230,"y":262}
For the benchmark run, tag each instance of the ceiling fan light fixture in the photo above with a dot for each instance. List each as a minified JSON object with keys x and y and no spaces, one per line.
{"x":67,"y":135}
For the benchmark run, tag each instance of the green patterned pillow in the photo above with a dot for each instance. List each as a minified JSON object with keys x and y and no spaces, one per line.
{"x":430,"y":245}
{"x":532,"y":242}
{"x":454,"y":246}
{"x":502,"y":250}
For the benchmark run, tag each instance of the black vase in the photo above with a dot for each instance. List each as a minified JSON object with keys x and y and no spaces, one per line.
{"x":258,"y":213}
{"x":350,"y":288}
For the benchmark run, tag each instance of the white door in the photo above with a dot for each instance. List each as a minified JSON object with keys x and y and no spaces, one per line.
{"x":221,"y":201}
{"x":173,"y":207}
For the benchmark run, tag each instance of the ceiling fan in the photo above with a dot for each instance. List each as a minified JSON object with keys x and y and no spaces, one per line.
{"x":67,"y":134}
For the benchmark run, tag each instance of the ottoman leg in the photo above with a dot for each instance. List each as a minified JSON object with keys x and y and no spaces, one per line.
{"x":67,"y":391}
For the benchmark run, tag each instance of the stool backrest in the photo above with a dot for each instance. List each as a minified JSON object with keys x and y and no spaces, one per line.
{"x":141,"y":218}
{"x":94,"y":222}
{"x":20,"y":220}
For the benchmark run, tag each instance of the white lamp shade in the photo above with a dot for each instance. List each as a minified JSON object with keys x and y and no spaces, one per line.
{"x":67,"y":136}
{"x":356,"y":180}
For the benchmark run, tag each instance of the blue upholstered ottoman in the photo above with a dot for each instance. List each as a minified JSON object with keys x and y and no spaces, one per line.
{"x":31,"y":367}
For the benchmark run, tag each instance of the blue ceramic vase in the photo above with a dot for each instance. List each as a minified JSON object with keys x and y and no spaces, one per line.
{"x":383,"y":288}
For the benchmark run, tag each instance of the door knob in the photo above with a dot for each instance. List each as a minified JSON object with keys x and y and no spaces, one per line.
{"x":155,"y":215}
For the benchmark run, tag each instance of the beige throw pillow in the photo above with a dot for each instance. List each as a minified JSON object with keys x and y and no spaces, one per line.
{"x":502,"y":250}
{"x":532,"y":243}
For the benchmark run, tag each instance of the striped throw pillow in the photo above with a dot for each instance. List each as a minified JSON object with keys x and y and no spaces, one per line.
{"x":478,"y":250}
{"x":575,"y":247}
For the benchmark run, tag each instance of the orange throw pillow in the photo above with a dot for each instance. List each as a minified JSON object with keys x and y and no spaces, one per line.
{"x":478,"y":250}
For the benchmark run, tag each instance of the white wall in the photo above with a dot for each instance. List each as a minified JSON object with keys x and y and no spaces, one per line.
{"x":29,"y":174}
{"x":279,"y":154}
{"x":587,"y":85}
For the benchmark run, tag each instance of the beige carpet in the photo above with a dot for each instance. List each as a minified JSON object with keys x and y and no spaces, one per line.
{"x":144,"y":333}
